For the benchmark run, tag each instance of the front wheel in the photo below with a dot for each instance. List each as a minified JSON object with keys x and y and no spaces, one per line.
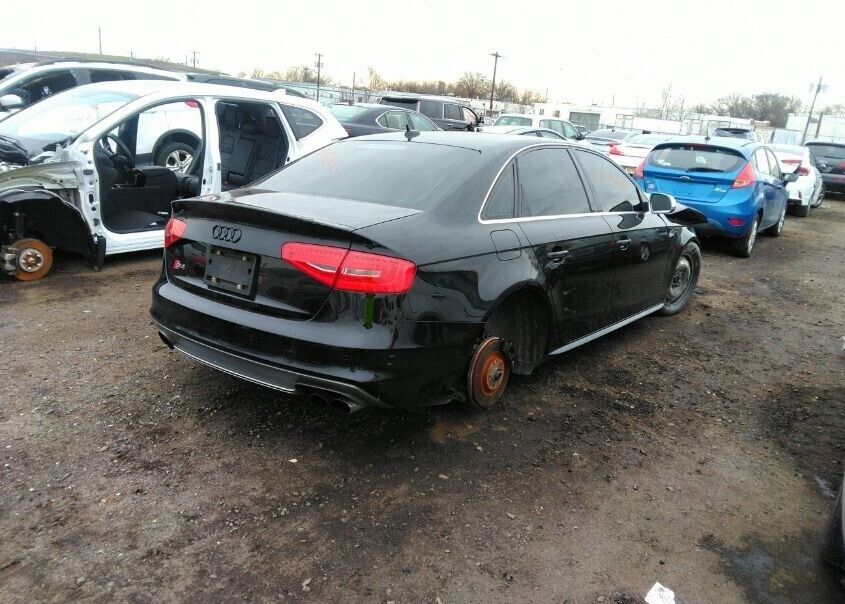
{"x":34,"y":259}
{"x":684,"y":279}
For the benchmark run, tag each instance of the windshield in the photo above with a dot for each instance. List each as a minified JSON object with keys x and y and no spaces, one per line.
{"x":829,"y":151}
{"x":395,"y":173}
{"x":6,"y":72}
{"x":64,"y":115}
{"x":696,"y":158}
{"x":512,"y":120}
{"x":345,"y":112}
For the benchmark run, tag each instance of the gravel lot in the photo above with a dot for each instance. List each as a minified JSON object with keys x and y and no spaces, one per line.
{"x":701,"y":451}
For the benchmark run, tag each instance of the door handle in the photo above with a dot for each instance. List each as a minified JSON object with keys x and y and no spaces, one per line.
{"x":557,"y":254}
{"x":623,"y":244}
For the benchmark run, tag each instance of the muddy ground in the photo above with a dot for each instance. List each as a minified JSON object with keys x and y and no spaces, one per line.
{"x":701,"y":451}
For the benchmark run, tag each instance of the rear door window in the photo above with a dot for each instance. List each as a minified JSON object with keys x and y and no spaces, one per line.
{"x":774,"y":167}
{"x":302,"y":121}
{"x":393,"y":119}
{"x":502,"y":201}
{"x":696,"y":158}
{"x":549,"y":184}
{"x":432,"y":109}
{"x":612,"y":189}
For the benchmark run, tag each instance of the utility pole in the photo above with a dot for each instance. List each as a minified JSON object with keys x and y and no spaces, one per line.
{"x":496,"y":56}
{"x":818,"y":88}
{"x":100,"y":38}
{"x":353,"y":87}
{"x":319,"y":67}
{"x":194,"y":53}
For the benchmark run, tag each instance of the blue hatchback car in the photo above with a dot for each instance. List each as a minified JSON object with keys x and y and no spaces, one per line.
{"x":736,"y":183}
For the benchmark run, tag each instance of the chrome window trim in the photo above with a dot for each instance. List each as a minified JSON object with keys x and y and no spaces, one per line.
{"x":549,"y":145}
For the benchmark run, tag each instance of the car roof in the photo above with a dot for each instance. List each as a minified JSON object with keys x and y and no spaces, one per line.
{"x":427,"y":97}
{"x":70,"y":63}
{"x":169,"y":88}
{"x":491,"y":143}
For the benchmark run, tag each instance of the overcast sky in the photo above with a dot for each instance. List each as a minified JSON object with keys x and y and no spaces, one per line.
{"x":595,"y":51}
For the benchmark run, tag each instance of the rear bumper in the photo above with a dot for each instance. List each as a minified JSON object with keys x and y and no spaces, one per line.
{"x":395,"y":363}
{"x":717,"y":217}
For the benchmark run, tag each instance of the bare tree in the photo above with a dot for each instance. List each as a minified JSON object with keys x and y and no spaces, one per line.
{"x":472,"y":85}
{"x":665,"y":101}
{"x":257,"y":73}
{"x":376,"y":81}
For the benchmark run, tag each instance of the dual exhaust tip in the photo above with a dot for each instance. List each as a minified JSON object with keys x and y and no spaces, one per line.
{"x":345,"y":405}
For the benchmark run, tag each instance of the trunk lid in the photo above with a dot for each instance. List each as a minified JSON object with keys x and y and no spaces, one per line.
{"x":830,"y":158}
{"x":692,"y":172}
{"x":230,"y":249}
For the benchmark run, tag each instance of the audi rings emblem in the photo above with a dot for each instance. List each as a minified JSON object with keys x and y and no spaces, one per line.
{"x":224,"y":233}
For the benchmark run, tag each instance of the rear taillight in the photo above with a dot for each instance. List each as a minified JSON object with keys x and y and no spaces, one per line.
{"x":802,"y":171}
{"x":745,"y":178}
{"x":351,"y":271}
{"x":614,"y":150}
{"x":792,"y":162}
{"x":638,"y":173}
{"x":173,"y":231}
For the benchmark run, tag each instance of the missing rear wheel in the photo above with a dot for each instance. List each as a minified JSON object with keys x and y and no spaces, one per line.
{"x":488,"y":374}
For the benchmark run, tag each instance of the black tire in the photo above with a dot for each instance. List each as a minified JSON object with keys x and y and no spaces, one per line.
{"x":802,"y":211}
{"x":833,"y":546}
{"x":176,"y":155}
{"x":684,"y":279}
{"x":777,"y":228}
{"x":744,"y":246}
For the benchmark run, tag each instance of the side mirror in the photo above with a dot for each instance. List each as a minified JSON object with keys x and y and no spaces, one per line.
{"x":581,"y":136}
{"x":10,"y":101}
{"x":790,"y":177}
{"x":662,"y":203}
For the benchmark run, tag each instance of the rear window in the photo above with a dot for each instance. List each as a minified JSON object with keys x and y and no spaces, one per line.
{"x":617,"y":135}
{"x":406,"y":103}
{"x":5,"y":73}
{"x":832,"y":151}
{"x":696,"y":158}
{"x":646,"y":139}
{"x":512,"y":120}
{"x":346,"y":112}
{"x":394,"y":173}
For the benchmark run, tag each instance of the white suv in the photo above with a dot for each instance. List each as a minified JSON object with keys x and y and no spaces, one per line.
{"x":27,"y":83}
{"x":82,"y":169}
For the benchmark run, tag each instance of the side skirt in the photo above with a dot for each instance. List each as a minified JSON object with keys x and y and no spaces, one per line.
{"x":601,"y":332}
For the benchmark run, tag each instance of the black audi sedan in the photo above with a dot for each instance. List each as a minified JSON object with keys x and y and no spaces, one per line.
{"x":414,"y":268}
{"x":359,"y":119}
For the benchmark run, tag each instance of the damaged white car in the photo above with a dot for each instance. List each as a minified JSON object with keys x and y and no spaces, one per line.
{"x":93,"y":170}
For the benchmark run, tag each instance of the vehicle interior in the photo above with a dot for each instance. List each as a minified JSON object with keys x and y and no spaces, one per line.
{"x":252,"y":142}
{"x":136,"y":196}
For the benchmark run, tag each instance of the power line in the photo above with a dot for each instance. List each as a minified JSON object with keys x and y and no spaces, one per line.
{"x":496,"y":56}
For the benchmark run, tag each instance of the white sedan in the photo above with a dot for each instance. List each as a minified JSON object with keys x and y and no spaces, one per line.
{"x":808,"y":190}
{"x":631,"y":152}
